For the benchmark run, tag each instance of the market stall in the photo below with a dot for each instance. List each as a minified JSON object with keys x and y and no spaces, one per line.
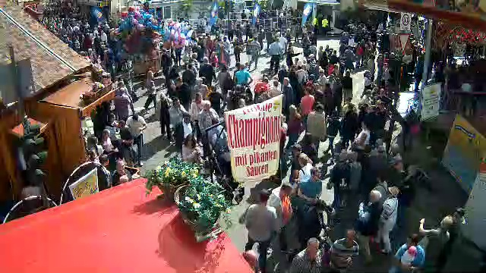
{"x":118,"y":230}
{"x":67,"y":111}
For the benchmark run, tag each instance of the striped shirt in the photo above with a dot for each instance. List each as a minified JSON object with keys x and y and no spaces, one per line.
{"x":340,"y":253}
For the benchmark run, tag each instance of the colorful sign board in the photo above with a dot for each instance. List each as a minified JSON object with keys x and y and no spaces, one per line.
{"x":464,"y":152}
{"x":254,"y":140}
{"x":86,"y":185}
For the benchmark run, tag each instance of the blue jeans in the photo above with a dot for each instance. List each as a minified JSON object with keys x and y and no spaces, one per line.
{"x":292,"y":140}
{"x":337,"y":198}
{"x":331,"y":145}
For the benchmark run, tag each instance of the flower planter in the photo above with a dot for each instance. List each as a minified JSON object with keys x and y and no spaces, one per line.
{"x":201,"y":233}
{"x":168,"y":191}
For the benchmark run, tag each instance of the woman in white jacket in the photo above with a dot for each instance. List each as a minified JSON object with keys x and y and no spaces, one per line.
{"x":388,"y":219}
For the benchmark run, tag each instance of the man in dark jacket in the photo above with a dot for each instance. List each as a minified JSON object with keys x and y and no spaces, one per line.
{"x":188,"y":76}
{"x":339,"y":173}
{"x":184,"y":93}
{"x":368,"y":222}
{"x":207,"y":71}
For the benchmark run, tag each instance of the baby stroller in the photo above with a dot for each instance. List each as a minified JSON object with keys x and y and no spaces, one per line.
{"x":220,"y":163}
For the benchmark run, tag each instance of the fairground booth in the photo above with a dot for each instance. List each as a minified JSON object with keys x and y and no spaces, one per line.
{"x":58,"y":101}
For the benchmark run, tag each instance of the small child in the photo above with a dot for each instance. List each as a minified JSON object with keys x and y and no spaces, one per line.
{"x":409,"y":256}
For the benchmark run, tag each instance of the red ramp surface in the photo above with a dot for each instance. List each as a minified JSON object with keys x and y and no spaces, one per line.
{"x":118,"y":230}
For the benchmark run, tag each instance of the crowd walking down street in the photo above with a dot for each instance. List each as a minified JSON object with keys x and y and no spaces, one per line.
{"x":346,"y":197}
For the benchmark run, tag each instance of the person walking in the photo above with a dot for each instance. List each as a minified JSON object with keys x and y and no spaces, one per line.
{"x":368,"y":222}
{"x":151,"y":90}
{"x":343,"y":251}
{"x":316,"y":125}
{"x":275,"y":51}
{"x":261,"y":223}
{"x":388,"y":219}
{"x":308,"y":260}
{"x":253,"y":51}
{"x":280,"y":200}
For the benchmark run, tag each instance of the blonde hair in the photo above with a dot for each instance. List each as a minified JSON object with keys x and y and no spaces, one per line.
{"x":304,"y":159}
{"x":447,"y":222}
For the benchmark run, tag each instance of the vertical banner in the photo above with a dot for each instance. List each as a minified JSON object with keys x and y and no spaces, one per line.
{"x":307,"y":11}
{"x":86,"y":185}
{"x":430,"y":102}
{"x":255,"y":13}
{"x":254,"y":140}
{"x":213,"y":16}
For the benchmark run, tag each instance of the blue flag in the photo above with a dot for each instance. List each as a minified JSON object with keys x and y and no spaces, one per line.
{"x":213,"y":17}
{"x":307,"y":11}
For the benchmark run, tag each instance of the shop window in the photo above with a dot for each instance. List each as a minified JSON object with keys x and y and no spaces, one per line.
{"x":167,"y":12}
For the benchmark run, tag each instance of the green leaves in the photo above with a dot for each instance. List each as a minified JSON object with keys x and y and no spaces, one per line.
{"x":174,"y":173}
{"x":204,"y":203}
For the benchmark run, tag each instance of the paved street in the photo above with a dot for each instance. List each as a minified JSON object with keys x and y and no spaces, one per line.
{"x":428,"y":205}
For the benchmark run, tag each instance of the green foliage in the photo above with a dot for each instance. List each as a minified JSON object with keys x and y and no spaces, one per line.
{"x":174,"y":173}
{"x":203,"y":203}
{"x":186,"y":7}
{"x":263,"y":4}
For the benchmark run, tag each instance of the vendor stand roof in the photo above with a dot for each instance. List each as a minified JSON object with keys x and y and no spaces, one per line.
{"x":470,"y":14}
{"x":117,"y":230}
{"x":52,"y":60}
{"x":70,"y":96}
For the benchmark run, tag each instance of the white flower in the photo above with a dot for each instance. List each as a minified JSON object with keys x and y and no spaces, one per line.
{"x":196,"y":205}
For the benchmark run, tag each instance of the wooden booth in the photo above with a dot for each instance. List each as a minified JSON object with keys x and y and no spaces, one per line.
{"x":65,"y":110}
{"x":51,"y":65}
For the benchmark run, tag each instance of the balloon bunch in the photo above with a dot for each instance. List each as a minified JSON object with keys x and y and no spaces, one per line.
{"x":139,"y":23}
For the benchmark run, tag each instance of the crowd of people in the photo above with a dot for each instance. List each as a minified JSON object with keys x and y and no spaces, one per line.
{"x":366,"y":171}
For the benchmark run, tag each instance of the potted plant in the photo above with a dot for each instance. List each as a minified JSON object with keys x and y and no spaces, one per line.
{"x":201,"y":204}
{"x":170,"y":176}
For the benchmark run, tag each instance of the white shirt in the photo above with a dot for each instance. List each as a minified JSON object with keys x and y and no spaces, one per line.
{"x":367,"y":139}
{"x":135,"y":125}
{"x":104,"y":37}
{"x":187,"y":129}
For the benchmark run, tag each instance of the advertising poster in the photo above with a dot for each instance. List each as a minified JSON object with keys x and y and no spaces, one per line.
{"x":430,"y":102}
{"x":254,"y":140}
{"x":473,"y":227}
{"x":86,"y":185}
{"x":464,"y":152}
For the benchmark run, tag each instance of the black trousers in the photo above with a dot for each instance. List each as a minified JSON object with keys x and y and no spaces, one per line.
{"x":151,"y":98}
{"x":275,"y":63}
{"x":139,"y":142}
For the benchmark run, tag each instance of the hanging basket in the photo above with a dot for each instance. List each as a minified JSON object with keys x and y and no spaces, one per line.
{"x":201,"y":233}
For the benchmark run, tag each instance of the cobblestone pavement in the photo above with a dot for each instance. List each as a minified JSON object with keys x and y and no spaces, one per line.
{"x":429,"y":205}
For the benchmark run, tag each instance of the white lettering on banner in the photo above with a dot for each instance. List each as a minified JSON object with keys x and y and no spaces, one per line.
{"x":254,"y":140}
{"x":430,"y":101}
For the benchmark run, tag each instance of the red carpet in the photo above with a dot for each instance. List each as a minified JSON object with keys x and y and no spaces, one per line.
{"x":118,"y":230}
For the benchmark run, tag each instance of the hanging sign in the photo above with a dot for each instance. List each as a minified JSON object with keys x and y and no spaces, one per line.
{"x":254,"y":140}
{"x":406,"y":21}
{"x":404,"y":40}
{"x":86,"y":185}
{"x":430,"y":102}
